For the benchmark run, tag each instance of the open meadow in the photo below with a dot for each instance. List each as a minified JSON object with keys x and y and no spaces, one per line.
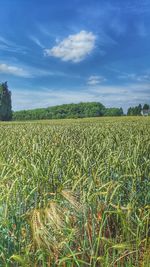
{"x":75,"y":193}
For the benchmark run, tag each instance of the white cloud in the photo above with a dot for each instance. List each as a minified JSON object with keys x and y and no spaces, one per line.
{"x":95,"y":80}
{"x":73,"y":48}
{"x":10,"y":69}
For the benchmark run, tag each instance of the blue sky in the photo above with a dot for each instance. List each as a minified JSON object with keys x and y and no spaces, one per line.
{"x":64,"y":51}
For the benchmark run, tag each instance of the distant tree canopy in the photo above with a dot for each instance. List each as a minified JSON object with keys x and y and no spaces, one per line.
{"x":134,"y":111}
{"x":81,"y":110}
{"x":137,"y":110}
{"x":146,"y":106}
{"x":113,"y":112}
{"x":5,"y":102}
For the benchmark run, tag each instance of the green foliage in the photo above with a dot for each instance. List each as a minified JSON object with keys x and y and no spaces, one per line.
{"x":81,"y":110}
{"x":5,"y":103}
{"x":146,"y":106}
{"x":135,"y":111}
{"x":105,"y":163}
{"x":113,"y":112}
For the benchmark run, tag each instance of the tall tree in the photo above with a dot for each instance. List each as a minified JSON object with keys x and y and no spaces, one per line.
{"x":5,"y":102}
{"x":134,"y":111}
{"x":146,"y":106}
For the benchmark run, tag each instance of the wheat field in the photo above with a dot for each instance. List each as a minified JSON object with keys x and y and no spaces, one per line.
{"x":75,"y":193}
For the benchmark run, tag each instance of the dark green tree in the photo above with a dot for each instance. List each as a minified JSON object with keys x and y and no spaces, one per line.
{"x":5,"y":103}
{"x":113,"y":112}
{"x":146,"y":106}
{"x":129,"y":111}
{"x":134,"y":111}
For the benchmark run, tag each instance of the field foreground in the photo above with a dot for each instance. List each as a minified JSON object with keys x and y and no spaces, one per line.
{"x":75,"y":193}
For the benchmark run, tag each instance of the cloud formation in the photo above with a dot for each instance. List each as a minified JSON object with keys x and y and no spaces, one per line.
{"x":73,"y":48}
{"x":95,"y":80}
{"x":10,"y":69}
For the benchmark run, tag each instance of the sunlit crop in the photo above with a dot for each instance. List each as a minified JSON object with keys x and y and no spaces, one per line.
{"x":75,"y":193}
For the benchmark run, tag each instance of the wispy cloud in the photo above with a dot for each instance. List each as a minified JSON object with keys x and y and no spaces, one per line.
{"x":73,"y":48}
{"x":138,"y":7}
{"x":95,"y":79}
{"x":36,"y":41}
{"x":44,"y":30}
{"x":10,"y":69}
{"x":130,"y":77}
{"x":9,"y":46}
{"x":135,"y":77}
{"x":126,"y":76}
{"x":31,"y":72}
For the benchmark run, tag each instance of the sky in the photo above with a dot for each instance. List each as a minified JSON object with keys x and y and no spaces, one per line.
{"x":55,"y":52}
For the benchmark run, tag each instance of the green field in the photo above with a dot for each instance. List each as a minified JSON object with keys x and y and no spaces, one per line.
{"x":75,"y":193}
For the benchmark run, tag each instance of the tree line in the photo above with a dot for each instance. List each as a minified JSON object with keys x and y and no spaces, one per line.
{"x":67,"y":111}
{"x":80,"y":110}
{"x":137,"y":110}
